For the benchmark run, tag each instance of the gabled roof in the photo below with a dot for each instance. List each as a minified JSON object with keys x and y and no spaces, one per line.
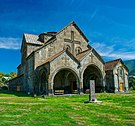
{"x":33,"y":39}
{"x":81,"y":55}
{"x":98,"y":56}
{"x":55,"y":56}
{"x":52,"y":38}
{"x":111,"y":64}
{"x":79,"y":30}
{"x":60,"y":53}
{"x":52,"y":58}
{"x":56,"y":33}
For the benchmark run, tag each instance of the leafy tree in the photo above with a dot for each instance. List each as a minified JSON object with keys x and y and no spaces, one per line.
{"x":3,"y":80}
{"x":132,"y":82}
{"x":1,"y":74}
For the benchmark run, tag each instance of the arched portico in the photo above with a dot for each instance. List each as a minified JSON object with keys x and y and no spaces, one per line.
{"x":67,"y":80}
{"x":92,"y":72}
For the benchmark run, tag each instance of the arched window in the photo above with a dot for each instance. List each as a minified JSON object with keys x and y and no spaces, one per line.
{"x":67,"y":47}
{"x":78,"y":50}
{"x":120,"y":71}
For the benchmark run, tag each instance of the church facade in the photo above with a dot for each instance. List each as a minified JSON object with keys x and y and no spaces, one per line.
{"x":116,"y":76}
{"x":62,"y":63}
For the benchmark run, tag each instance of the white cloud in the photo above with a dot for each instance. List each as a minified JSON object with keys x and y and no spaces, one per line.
{"x":124,"y":44}
{"x":102,"y":48}
{"x":123,"y":55}
{"x":111,"y":52}
{"x":10,"y":43}
{"x":93,"y":14}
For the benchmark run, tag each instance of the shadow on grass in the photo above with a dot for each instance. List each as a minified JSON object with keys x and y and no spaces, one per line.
{"x":86,"y":102}
{"x":19,"y":94}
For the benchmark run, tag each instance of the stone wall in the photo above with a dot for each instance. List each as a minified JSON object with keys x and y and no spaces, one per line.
{"x":89,"y":61}
{"x":110,"y":81}
{"x":30,"y":73}
{"x":59,"y":44}
{"x":31,"y":48}
{"x":66,"y":34}
{"x":62,"y":62}
{"x":16,"y":84}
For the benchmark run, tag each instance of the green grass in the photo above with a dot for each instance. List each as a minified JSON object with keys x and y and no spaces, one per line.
{"x":21,"y":110}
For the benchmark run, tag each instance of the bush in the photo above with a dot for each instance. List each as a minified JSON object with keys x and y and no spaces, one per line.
{"x":4,"y":87}
{"x":133,"y":87}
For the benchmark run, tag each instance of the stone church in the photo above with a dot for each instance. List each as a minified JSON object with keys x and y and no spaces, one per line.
{"x":64,"y":63}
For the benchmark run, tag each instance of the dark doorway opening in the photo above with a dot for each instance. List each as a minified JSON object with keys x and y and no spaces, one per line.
{"x":92,"y":73}
{"x":43,"y":87}
{"x":65,"y":82}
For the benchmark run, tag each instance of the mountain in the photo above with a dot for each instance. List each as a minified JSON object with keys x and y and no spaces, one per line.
{"x":131,"y":66}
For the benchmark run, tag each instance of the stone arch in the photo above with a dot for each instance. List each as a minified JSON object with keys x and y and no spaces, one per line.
{"x":60,"y":68}
{"x":120,"y":71}
{"x":92,"y":72}
{"x":90,"y":64}
{"x":69,"y":82}
{"x":67,"y":47}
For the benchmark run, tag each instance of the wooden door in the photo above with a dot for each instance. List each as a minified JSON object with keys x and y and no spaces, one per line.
{"x":121,"y":86}
{"x":73,"y":87}
{"x":18,"y":88}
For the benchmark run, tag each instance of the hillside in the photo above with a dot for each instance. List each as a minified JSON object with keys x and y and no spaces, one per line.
{"x":131,"y":66}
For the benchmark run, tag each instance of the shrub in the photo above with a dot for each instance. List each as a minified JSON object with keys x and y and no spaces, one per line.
{"x":133,"y":87}
{"x":4,"y":87}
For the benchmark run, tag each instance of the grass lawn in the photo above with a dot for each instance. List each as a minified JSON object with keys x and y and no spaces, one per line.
{"x":21,"y":110}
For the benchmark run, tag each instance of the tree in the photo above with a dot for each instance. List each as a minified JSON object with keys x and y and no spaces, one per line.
{"x":4,"y":78}
{"x":1,"y":74}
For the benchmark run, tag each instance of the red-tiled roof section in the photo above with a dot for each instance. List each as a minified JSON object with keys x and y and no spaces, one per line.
{"x":81,"y":55}
{"x":55,"y":56}
{"x":111,"y":64}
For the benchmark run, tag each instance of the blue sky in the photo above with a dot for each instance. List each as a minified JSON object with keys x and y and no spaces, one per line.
{"x":108,"y":24}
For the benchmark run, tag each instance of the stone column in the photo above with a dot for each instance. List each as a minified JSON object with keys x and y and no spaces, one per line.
{"x":126,"y":85}
{"x":81,"y":82}
{"x":81,"y":87}
{"x":104,"y":83}
{"x":116,"y":83}
{"x":50,"y":86}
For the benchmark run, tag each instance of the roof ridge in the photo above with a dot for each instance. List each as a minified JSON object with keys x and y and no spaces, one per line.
{"x":113,"y":60}
{"x":65,"y":27}
{"x":84,"y":51}
{"x":29,"y":34}
{"x":55,"y":56}
{"x":81,"y":56}
{"x":67,"y":51}
{"x":77,"y":27}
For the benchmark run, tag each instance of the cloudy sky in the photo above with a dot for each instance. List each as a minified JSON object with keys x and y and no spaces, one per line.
{"x":108,"y":24}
